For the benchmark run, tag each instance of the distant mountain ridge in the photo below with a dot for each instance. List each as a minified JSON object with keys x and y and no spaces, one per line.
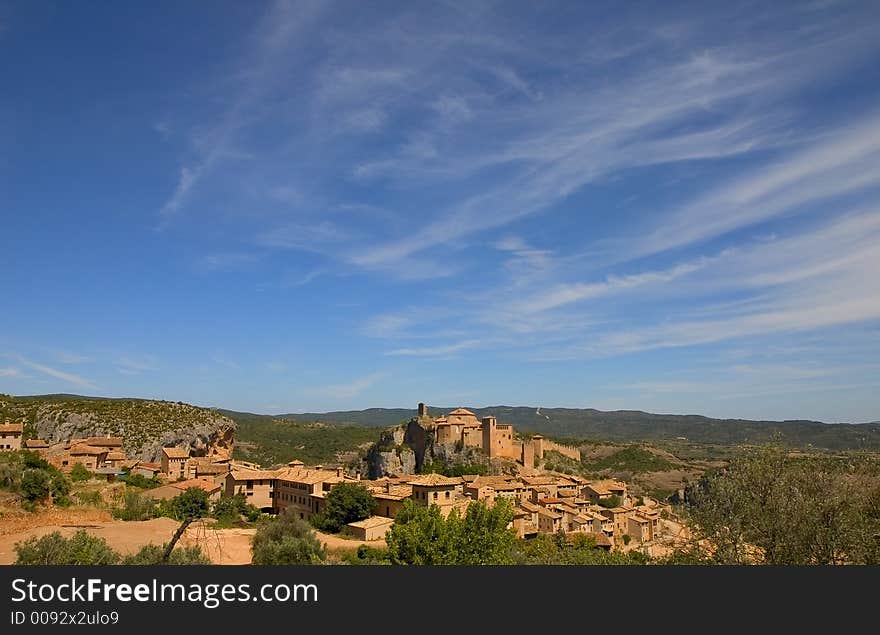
{"x":634,"y":425}
{"x":565,"y":423}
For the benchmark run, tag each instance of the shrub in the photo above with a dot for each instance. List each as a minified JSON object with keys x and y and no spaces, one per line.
{"x":90,"y":498}
{"x":231,"y":509}
{"x":287,"y":540}
{"x":53,"y":549}
{"x":153,"y":554}
{"x":135,"y":506}
{"x":138,"y":480}
{"x":36,"y":484}
{"x":80,"y":473}
{"x":421,"y":536}
{"x":60,"y":489}
{"x":346,"y":503}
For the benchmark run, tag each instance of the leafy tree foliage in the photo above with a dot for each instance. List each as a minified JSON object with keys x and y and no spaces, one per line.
{"x":232,"y":508}
{"x":577,"y":549}
{"x":153,"y":554}
{"x":772,"y":508}
{"x":79,"y":473}
{"x":346,"y":503}
{"x":422,"y":536}
{"x":135,"y":506}
{"x":366,"y":555}
{"x":286,"y":540}
{"x":139,"y":480}
{"x":35,"y":484}
{"x":53,"y":549}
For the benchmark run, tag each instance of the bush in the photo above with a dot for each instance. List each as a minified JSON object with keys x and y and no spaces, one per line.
{"x":231,"y":509}
{"x":135,"y":506}
{"x":287,"y":540}
{"x":90,"y":498}
{"x":192,"y":503}
{"x":421,"y":536}
{"x":60,"y":489}
{"x":611,"y":501}
{"x":578,"y":549}
{"x":138,"y":480}
{"x":152,"y":554}
{"x":80,"y":473}
{"x":367,"y":556}
{"x":53,"y":549}
{"x":36,"y":484}
{"x":346,"y":503}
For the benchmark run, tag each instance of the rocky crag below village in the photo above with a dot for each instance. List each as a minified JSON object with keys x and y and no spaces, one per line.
{"x":409,"y":448}
{"x":145,"y":426}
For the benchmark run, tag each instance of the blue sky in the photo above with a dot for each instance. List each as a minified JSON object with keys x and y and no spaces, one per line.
{"x":289,"y":206}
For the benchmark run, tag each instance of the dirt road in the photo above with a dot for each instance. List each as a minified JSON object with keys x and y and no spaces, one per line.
{"x":222,"y":546}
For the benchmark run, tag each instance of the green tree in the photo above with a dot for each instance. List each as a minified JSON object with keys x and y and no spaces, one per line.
{"x":769,"y":507}
{"x":187,"y":507}
{"x":287,"y":540}
{"x":570,"y":549}
{"x":422,"y":536}
{"x":346,"y":503}
{"x":60,"y":489}
{"x":153,"y":554}
{"x":53,"y":549}
{"x":79,"y":473}
{"x":232,"y":508}
{"x":36,"y":483}
{"x":135,"y":506}
{"x":138,"y":480}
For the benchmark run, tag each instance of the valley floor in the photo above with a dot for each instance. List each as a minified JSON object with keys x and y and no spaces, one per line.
{"x":223,"y":546}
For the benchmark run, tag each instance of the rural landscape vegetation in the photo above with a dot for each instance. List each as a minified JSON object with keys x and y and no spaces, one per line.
{"x":796,"y":494}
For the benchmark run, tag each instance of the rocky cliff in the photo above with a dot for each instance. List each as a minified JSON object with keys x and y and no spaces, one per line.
{"x":145,"y":426}
{"x":407,"y":449}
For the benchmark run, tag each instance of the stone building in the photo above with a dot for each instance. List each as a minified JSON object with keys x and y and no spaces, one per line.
{"x":10,"y":436}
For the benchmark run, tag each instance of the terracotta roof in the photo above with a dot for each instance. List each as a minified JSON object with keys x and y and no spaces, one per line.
{"x":208,"y":486}
{"x":463,"y":412}
{"x":150,"y":466}
{"x":435,"y":480}
{"x":109,"y":470}
{"x":397,"y":493}
{"x":549,"y":513}
{"x":372,"y":521}
{"x":82,"y":449}
{"x":309,"y":476}
{"x":529,"y":506}
{"x":602,"y":540}
{"x":176,"y":453}
{"x":103,"y":441}
{"x":11,"y":427}
{"x":36,"y":443}
{"x":115,"y":455}
{"x":246,"y":474}
{"x":440,"y":420}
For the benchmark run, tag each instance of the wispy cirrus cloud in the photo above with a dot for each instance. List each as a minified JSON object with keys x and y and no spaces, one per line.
{"x":70,"y":378}
{"x":131,"y":365}
{"x":351,"y":389}
{"x":67,"y":357}
{"x":443,"y":350}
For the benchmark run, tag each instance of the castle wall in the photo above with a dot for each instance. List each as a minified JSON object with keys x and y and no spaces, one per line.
{"x":565,"y":450}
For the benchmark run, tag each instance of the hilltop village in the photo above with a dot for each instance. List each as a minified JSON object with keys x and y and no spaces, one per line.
{"x":543,"y":501}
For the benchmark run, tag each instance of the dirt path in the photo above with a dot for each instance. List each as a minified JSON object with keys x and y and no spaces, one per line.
{"x":222,"y":546}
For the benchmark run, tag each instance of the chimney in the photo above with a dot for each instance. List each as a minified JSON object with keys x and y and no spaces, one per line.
{"x":387,"y":487}
{"x":339,"y":471}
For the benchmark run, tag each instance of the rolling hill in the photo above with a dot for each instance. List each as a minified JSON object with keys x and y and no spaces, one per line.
{"x":635,"y":425}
